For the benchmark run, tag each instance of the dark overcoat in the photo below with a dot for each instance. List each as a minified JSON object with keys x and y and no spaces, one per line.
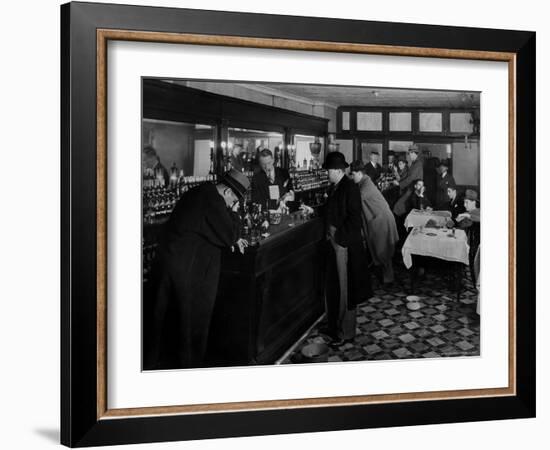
{"x":344,"y":212}
{"x":187,"y":277}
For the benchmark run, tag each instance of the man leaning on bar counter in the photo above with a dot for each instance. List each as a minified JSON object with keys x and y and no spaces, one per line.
{"x":203,"y":222}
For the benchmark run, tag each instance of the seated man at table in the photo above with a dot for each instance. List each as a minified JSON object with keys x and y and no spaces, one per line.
{"x":418,"y":199}
{"x":470,"y":222}
{"x":271,"y":185}
{"x":454,"y":206}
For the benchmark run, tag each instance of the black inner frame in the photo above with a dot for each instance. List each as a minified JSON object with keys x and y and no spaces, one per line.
{"x":79,"y":425}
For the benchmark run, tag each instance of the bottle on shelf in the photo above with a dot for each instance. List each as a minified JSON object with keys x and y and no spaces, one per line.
{"x":211,"y":168}
{"x":173,"y":175}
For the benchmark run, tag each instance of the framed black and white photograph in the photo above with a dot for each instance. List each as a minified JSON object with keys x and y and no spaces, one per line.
{"x":279,"y":224}
{"x":271,"y":293}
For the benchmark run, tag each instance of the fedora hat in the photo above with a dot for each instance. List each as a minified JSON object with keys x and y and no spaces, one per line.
{"x":470,"y":194}
{"x":414,"y":148}
{"x":237,"y":181}
{"x":335,"y":160}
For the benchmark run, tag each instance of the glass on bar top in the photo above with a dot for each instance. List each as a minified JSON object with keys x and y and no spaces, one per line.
{"x":288,"y":222}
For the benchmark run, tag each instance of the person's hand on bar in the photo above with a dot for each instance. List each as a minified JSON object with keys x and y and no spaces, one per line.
{"x":242,"y":244}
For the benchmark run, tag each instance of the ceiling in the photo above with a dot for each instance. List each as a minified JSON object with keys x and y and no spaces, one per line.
{"x":374,"y":96}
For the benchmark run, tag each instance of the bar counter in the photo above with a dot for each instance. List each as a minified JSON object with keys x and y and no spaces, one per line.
{"x":270,"y":295}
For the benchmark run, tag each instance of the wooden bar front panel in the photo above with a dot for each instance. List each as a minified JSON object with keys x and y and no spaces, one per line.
{"x":269,"y":296}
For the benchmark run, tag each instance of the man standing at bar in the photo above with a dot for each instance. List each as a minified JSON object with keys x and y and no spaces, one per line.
{"x":271,"y":185}
{"x":348,"y":281}
{"x":203,"y":222}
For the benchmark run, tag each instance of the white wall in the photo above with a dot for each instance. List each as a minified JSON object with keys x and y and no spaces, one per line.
{"x":30,"y":227}
{"x":466,"y":163}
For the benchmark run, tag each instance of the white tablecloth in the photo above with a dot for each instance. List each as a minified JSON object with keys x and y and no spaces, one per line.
{"x":441,"y":246}
{"x":418,"y":218}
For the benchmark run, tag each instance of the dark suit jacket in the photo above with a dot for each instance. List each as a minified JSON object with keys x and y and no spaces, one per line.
{"x":455,"y":206}
{"x":441,"y":197}
{"x":415,"y":172}
{"x":416,"y":202}
{"x":373,"y":172}
{"x":260,"y":186}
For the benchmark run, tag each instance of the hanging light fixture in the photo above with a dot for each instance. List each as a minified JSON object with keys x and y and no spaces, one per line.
{"x":332,"y":146}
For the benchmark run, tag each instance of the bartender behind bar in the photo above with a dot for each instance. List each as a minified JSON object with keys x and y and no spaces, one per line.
{"x":271,"y":185}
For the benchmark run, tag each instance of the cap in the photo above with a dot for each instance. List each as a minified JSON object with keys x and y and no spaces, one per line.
{"x":413,"y":148}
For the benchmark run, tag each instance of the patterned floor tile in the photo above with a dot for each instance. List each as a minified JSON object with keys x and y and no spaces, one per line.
{"x":380,"y":334}
{"x":387,"y":329}
{"x":402,"y":352}
{"x":438,"y":328}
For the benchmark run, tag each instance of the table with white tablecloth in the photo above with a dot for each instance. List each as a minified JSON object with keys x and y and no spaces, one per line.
{"x":438,"y":243}
{"x":419,"y":218}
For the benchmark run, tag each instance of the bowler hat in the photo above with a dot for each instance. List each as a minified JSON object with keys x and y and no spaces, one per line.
{"x":470,"y":194}
{"x":443,"y":162}
{"x":335,"y":160}
{"x":413,"y":148}
{"x":237,"y":181}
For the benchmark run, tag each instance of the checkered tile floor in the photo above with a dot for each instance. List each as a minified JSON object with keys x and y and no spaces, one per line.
{"x":387,"y":329}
